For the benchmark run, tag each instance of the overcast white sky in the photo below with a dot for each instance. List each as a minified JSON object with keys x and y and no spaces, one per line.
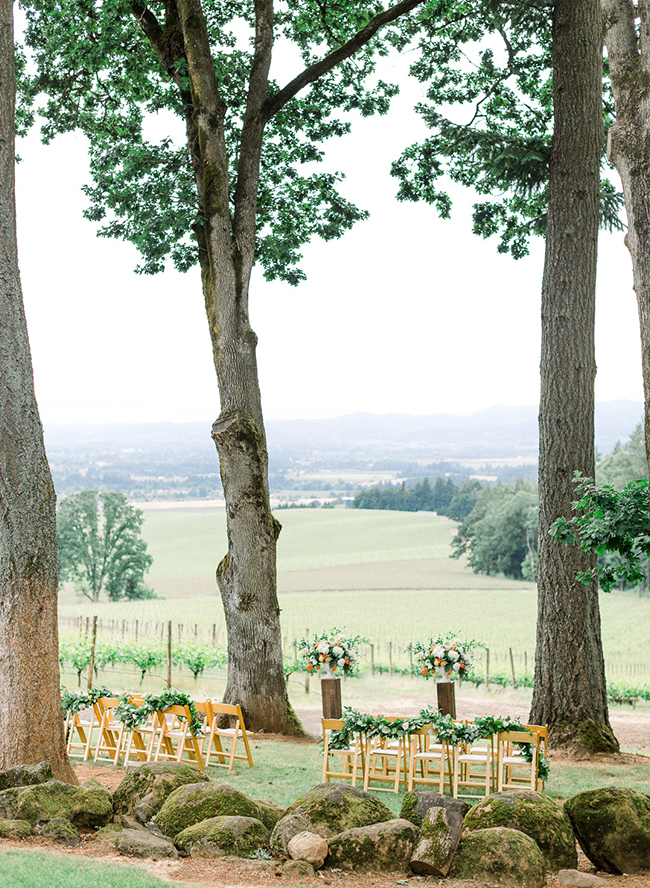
{"x":405,"y":314}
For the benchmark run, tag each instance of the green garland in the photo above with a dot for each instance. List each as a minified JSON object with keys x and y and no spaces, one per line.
{"x":448,"y":731}
{"x":128,"y":713}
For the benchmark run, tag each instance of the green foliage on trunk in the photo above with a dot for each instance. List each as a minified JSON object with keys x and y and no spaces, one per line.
{"x":100,"y":546}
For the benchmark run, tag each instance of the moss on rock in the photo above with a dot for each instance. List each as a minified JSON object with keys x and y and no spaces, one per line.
{"x":534,"y":814}
{"x":613,"y":827}
{"x":223,"y":837}
{"x":499,"y":856}
{"x":195,"y":802}
{"x":338,"y":807}
{"x":417,"y":802}
{"x":270,"y":813}
{"x":380,"y":847}
{"x":87,"y":807}
{"x":144,"y":790}
{"x":15,"y":829}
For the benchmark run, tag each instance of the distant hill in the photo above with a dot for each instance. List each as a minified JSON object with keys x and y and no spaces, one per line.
{"x":179,"y":459}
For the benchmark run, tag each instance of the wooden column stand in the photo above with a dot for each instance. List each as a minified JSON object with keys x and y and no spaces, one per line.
{"x":331,"y":692}
{"x":446,"y":691}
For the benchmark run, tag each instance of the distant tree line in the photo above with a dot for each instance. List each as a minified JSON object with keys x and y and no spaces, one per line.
{"x":444,"y":497}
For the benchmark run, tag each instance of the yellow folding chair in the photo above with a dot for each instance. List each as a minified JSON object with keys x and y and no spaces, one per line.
{"x":473,"y":769}
{"x":176,"y":740}
{"x":216,"y":736}
{"x":513,"y":771}
{"x":427,"y":759}
{"x":350,"y":755}
{"x":111,"y":731}
{"x":385,"y":762}
{"x":139,"y":741}
{"x":82,"y":726}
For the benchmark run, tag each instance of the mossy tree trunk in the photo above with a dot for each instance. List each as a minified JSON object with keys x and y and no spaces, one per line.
{"x":569,"y":691}
{"x":628,"y":50}
{"x":31,"y":718}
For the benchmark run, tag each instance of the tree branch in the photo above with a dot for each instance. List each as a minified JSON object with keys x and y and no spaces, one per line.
{"x":274,"y":103}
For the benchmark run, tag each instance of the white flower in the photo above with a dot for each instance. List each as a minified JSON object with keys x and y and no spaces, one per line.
{"x":337,"y":650}
{"x":341,"y":662}
{"x":323,"y":647}
{"x":453,"y":655}
{"x":456,"y":667}
{"x":439,"y":651}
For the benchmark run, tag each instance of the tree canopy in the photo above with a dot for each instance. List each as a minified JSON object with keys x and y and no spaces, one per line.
{"x":100,"y":546}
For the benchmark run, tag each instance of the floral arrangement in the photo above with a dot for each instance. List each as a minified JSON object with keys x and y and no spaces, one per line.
{"x":447,"y":653}
{"x":332,"y":651}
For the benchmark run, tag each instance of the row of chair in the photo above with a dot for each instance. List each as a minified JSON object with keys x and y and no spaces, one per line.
{"x":166,"y":735}
{"x":422,"y":759}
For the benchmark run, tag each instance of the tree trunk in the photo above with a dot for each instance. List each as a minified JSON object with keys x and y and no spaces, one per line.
{"x":627,"y":141}
{"x":247,"y":575}
{"x":31,"y":718}
{"x":569,"y":690}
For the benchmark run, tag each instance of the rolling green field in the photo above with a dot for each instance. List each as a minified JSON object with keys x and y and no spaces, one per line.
{"x":384,"y":575}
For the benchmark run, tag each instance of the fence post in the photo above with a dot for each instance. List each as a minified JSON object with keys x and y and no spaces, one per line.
{"x":214,"y":635}
{"x":512,"y":667}
{"x":487,"y":667}
{"x":390,"y":657}
{"x":91,"y":665}
{"x":372,"y":659}
{"x":169,"y":654}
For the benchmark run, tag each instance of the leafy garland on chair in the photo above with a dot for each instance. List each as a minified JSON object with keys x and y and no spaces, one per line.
{"x":448,"y":730}
{"x":127,"y":712}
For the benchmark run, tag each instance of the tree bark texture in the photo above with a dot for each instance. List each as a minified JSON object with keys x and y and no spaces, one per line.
{"x":226,"y":240}
{"x":628,"y":51}
{"x":31,"y":718}
{"x":569,"y":691}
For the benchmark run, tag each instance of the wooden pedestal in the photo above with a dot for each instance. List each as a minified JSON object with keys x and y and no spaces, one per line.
{"x":446,"y":691}
{"x":331,"y":692}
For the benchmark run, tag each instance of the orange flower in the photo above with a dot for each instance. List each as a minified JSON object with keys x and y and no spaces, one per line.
{"x":309,"y":668}
{"x":425,"y":672}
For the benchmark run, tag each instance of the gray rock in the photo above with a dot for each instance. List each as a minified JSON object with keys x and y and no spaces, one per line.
{"x":223,"y":837}
{"x":327,"y":810}
{"x":195,"y":802}
{"x":417,"y":802}
{"x":613,"y":827}
{"x":541,"y":818}
{"x":139,"y":843}
{"x":438,"y":841}
{"x":500,"y":856}
{"x":381,"y":847}
{"x":571,"y":878}
{"x":15,"y":829}
{"x":145,"y":788}
{"x":309,"y":847}
{"x":128,"y":822}
{"x":298,"y":869}
{"x":61,"y":831}
{"x":26,"y":775}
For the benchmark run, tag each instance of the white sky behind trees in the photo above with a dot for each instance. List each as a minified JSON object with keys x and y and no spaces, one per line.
{"x":406,"y":313}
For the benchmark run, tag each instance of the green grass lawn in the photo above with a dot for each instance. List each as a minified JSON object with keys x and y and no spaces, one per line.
{"x":37,"y":869}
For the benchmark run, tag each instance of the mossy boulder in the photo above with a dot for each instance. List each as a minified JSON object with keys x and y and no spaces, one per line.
{"x":223,"y":837}
{"x":500,"y":856}
{"x":15,"y":829}
{"x":26,"y":775}
{"x":141,"y":843}
{"x":270,"y":813}
{"x":381,"y":847}
{"x":328,"y":809}
{"x":437,"y":843}
{"x":87,"y":807}
{"x":61,"y":831}
{"x":534,"y":814}
{"x":195,"y":802}
{"x":613,"y":827}
{"x":144,"y":790}
{"x":417,"y":802}
{"x":109,"y":833}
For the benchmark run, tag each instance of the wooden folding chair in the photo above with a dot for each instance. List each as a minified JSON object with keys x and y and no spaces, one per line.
{"x":513,"y":771}
{"x":427,"y":759}
{"x":178,"y":744}
{"x":139,"y":741}
{"x":350,"y":755}
{"x":385,"y":762}
{"x":473,"y":769}
{"x":216,"y":736}
{"x":82,"y":726}
{"x":111,"y":732}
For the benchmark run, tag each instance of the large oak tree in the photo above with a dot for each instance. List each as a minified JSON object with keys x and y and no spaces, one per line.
{"x":31,"y":717}
{"x":233,"y":193}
